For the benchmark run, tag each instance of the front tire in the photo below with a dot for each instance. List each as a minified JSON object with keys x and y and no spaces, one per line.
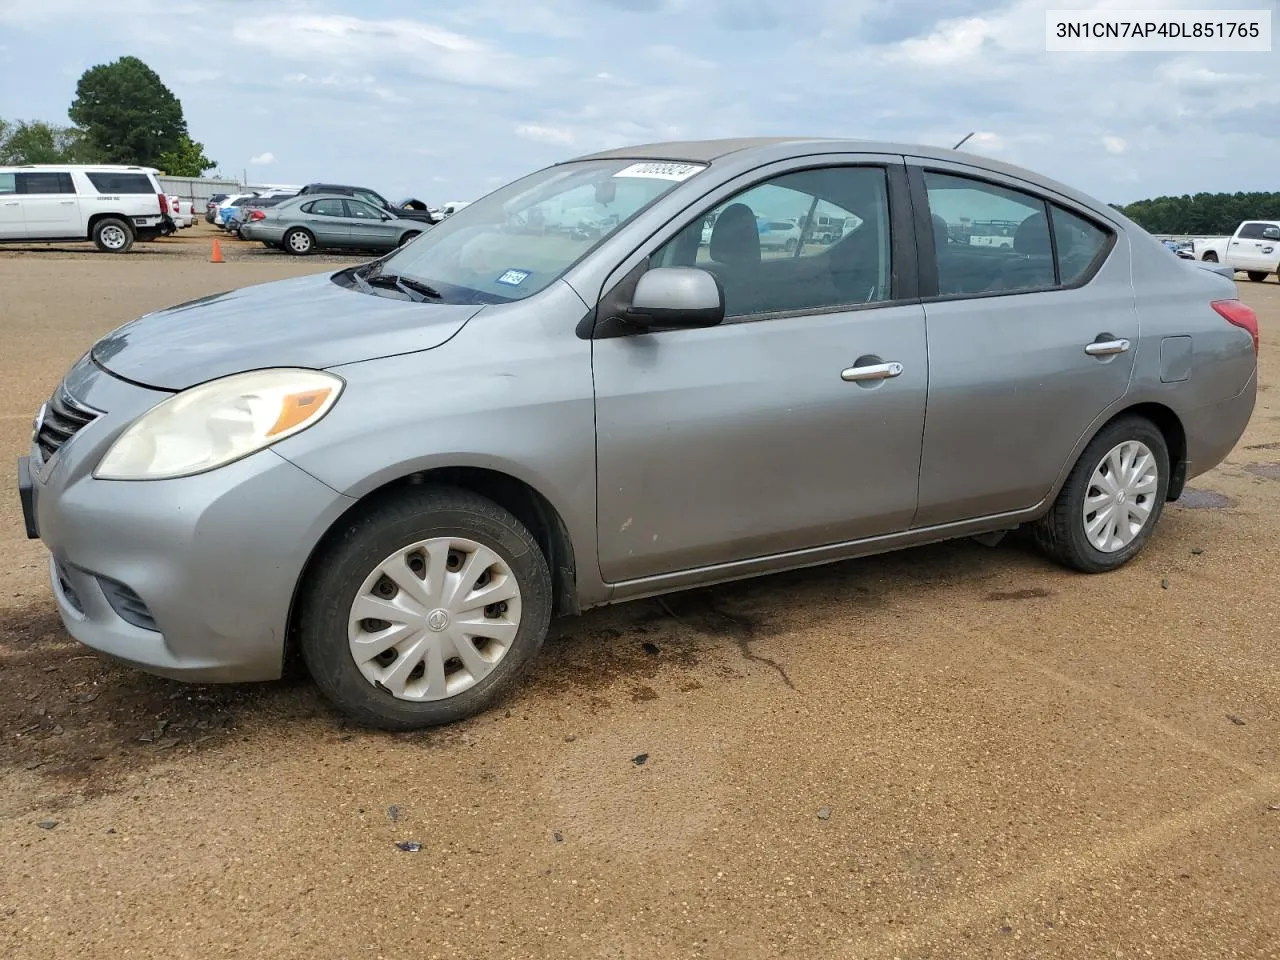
{"x":1211,"y":257}
{"x":1257,"y":276}
{"x":113,"y":235}
{"x":409,"y":236}
{"x":299,"y":242}
{"x":424,"y":609}
{"x":1112,"y":499}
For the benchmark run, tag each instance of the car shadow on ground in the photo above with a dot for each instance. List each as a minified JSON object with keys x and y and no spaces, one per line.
{"x":77,"y":723}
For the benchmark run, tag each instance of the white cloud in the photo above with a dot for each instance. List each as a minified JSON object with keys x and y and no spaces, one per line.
{"x":1114,"y":144}
{"x":263,"y":159}
{"x":545,"y":134}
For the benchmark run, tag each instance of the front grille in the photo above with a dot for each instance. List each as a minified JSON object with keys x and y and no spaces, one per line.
{"x":127,"y":604}
{"x":63,"y":418}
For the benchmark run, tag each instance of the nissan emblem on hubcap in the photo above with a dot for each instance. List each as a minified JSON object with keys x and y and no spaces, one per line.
{"x":438,"y":620}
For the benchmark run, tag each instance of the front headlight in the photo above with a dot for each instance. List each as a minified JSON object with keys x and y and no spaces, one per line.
{"x":217,"y":422}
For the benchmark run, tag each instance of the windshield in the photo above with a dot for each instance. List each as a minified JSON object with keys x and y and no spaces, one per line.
{"x":524,"y":236}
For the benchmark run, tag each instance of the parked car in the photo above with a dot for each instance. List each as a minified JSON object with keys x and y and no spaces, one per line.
{"x":402,"y":469}
{"x":226,"y":204}
{"x":778,"y":234}
{"x":424,"y":215}
{"x":1254,"y":249}
{"x":245,"y":214}
{"x":304,"y":224}
{"x":212,"y":206}
{"x":111,"y":205}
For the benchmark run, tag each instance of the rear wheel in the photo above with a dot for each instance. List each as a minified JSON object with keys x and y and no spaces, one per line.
{"x":113,"y":235}
{"x":1112,"y":499}
{"x":299,"y":242}
{"x":424,"y":609}
{"x":1257,"y":276}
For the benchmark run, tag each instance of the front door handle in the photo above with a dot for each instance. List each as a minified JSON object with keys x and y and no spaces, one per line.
{"x":66,"y":203}
{"x":1105,"y":348}
{"x":876,"y":371}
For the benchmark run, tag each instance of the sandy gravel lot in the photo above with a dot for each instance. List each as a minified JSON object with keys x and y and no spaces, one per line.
{"x":949,"y":752}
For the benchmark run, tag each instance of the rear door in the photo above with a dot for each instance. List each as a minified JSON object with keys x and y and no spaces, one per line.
{"x":12,"y":224}
{"x":49,"y":204}
{"x":1244,"y":250}
{"x":1031,"y":337}
{"x":367,"y":226}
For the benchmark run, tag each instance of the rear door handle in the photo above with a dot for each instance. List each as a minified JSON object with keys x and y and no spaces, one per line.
{"x":876,"y":371}
{"x":1105,"y":348}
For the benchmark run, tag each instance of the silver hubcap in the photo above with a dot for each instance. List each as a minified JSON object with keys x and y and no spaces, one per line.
{"x":300,"y":242}
{"x":434,"y":619}
{"x":1120,"y":497}
{"x":112,"y":237}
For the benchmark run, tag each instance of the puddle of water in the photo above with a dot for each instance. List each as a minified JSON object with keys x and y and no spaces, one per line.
{"x":1270,"y":471}
{"x":1203,"y":500}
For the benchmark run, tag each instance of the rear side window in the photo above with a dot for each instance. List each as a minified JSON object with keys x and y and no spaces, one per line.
{"x":992,"y":239}
{"x":1079,"y":243}
{"x":121,"y":183}
{"x":45,"y":182}
{"x":8,"y":183}
{"x":327,"y":208}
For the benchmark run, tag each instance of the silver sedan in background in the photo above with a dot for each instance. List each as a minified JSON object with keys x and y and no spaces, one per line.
{"x":308,"y":223}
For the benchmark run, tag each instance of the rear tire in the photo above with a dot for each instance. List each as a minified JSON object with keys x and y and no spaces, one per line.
{"x":1068,"y":532}
{"x":299,"y":242}
{"x":113,"y":235}
{"x":1258,"y":276}
{"x":449,"y":533}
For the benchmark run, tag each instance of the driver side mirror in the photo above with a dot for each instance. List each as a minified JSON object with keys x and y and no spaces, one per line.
{"x":675,"y":298}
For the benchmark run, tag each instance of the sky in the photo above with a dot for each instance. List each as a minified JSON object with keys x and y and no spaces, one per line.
{"x":445,"y":100}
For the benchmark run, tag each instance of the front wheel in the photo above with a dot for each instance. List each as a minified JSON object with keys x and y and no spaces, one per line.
{"x":1211,"y":257}
{"x":1257,"y":276}
{"x":423,"y":610}
{"x":113,"y":235}
{"x":299,"y":242}
{"x":409,"y":236}
{"x":1111,"y":501}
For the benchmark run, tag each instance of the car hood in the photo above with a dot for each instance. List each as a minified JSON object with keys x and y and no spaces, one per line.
{"x":304,"y":322}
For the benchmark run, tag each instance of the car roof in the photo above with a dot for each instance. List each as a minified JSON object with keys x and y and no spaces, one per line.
{"x":752,"y":151}
{"x":87,"y":167}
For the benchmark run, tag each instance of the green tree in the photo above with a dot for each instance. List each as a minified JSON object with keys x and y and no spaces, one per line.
{"x":1203,"y":213}
{"x":35,"y":141}
{"x":187,"y":161}
{"x":127,"y":113}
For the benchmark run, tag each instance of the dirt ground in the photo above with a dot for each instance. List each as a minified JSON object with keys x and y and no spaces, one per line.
{"x":949,"y":752}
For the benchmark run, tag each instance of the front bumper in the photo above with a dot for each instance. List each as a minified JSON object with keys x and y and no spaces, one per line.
{"x":191,"y":578}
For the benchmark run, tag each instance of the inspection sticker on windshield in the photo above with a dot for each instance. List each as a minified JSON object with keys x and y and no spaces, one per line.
{"x":513,"y":278}
{"x":650,"y":170}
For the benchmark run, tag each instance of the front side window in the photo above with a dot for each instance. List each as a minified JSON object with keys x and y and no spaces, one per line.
{"x":370,"y":197}
{"x":524,"y":236}
{"x":362,"y":211}
{"x":808,"y":240}
{"x":1251,"y":231}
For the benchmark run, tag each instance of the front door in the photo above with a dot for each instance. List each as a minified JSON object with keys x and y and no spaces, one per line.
{"x":1244,"y":250}
{"x":49,"y":205}
{"x":1029,"y":341}
{"x":328,"y":220}
{"x":367,"y":227}
{"x":797,"y":422}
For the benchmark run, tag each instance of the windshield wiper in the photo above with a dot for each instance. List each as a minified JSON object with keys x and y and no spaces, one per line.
{"x":415,"y":290}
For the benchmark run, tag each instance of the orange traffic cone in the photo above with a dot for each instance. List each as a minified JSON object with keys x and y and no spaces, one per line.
{"x":217,"y":253}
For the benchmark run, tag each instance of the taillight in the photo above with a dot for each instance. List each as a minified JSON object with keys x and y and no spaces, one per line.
{"x":257,"y":215}
{"x":1239,"y":314}
{"x":164,"y":203}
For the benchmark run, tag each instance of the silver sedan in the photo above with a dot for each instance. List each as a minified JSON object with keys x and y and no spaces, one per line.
{"x":309,"y":222}
{"x":403,"y":469}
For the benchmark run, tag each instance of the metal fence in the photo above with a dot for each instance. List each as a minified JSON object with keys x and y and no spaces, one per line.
{"x":199,"y":189}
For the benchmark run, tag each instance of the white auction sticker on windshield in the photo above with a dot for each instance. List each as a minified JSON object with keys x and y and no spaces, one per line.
{"x":651,"y":170}
{"x":513,"y":278}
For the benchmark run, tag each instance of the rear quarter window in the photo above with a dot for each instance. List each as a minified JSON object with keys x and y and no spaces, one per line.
{"x":121,"y":183}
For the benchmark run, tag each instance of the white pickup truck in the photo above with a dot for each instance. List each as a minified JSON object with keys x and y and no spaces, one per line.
{"x":1254,"y":248}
